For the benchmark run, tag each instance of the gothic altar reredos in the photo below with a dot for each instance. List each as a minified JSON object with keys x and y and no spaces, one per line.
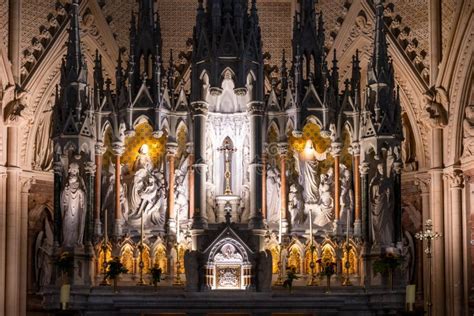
{"x":226,"y":173}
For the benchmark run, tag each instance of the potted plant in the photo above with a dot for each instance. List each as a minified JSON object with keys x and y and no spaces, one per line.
{"x":65,"y":264}
{"x":156,"y":275}
{"x":290,"y":276}
{"x":328,"y":268}
{"x":114,"y":269}
{"x":387,"y":264}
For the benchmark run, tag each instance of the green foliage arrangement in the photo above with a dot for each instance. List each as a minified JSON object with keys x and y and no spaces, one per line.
{"x":115,"y":268}
{"x":386,"y":263}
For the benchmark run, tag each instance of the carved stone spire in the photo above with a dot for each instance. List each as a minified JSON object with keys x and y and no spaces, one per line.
{"x":379,"y":68}
{"x":75,"y":68}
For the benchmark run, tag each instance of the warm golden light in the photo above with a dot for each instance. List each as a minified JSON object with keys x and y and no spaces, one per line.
{"x":308,"y":150}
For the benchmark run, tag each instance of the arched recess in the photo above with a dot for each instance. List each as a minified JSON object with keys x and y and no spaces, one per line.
{"x":42,"y":81}
{"x":457,"y":75}
{"x":412,"y":86}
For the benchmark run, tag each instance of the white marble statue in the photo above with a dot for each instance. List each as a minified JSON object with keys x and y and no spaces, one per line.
{"x":307,"y":170}
{"x":296,"y":205}
{"x":211,"y":203}
{"x":209,"y":158}
{"x":73,"y":208}
{"x":147,"y":193}
{"x":347,"y":196}
{"x":43,"y":145}
{"x":43,"y":254}
{"x":381,"y":205}
{"x":181,"y":190}
{"x":108,"y":199}
{"x":228,"y":253}
{"x":245,"y":204}
{"x":468,"y":131}
{"x":273,"y":195}
{"x":325,"y":213}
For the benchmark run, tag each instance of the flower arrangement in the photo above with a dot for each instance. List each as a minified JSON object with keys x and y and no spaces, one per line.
{"x":156,"y":274}
{"x":388,"y":262}
{"x":290,"y":277}
{"x":328,"y":268}
{"x":115,"y":268}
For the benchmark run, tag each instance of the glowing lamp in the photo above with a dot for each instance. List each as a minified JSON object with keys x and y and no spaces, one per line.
{"x":308,"y":149}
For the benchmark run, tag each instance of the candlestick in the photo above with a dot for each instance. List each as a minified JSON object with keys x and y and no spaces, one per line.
{"x":141,"y":265}
{"x":177,"y":280}
{"x":279,"y":281}
{"x":312,"y":265}
{"x":105,"y":282}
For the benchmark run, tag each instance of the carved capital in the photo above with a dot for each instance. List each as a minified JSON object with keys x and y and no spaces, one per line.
{"x":118,"y":148}
{"x":171,"y":150}
{"x":456,"y":177}
{"x":283,"y":149}
{"x":336,"y":148}
{"x":255,"y":108}
{"x":355,"y":149}
{"x":89,"y":168}
{"x":200,"y":108}
{"x":26,"y":183}
{"x":100,"y":149}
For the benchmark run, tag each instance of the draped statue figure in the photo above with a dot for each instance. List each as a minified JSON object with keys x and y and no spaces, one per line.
{"x":108,"y":198}
{"x":296,"y":205}
{"x":273,"y":195}
{"x":73,"y":212}
{"x":382,"y":207}
{"x":325,"y":214}
{"x":307,"y":170}
{"x":347,"y":195}
{"x":181,"y":191}
{"x":43,"y":254}
{"x":147,"y":194}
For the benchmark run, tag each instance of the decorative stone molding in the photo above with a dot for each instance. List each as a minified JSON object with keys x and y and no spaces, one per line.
{"x":423,"y":182}
{"x":437,"y":101}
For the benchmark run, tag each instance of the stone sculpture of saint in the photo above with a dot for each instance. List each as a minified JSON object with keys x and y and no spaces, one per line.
{"x":245,"y":204}
{"x":295,"y":205}
{"x":43,"y":255}
{"x":73,"y":213}
{"x":325,"y":215}
{"x":307,"y":170}
{"x":381,"y":203}
{"x":347,"y":196}
{"x":273,"y":195}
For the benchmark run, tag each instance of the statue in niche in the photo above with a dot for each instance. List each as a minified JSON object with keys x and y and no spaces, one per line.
{"x":246,"y":161}
{"x":43,"y":145}
{"x":296,"y":205}
{"x":381,"y":202}
{"x":147,"y":194}
{"x":273,"y":194}
{"x":43,"y":254}
{"x":73,"y":201}
{"x":308,"y":178}
{"x":408,"y":147}
{"x":180,"y":190}
{"x":325,"y":213}
{"x":468,"y":131}
{"x":245,"y":204}
{"x":211,"y":203}
{"x":408,"y":255}
{"x":108,"y":203}
{"x":347,"y":195}
{"x":209,"y":158}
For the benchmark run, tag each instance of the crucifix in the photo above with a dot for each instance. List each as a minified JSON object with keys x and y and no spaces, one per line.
{"x":227,"y":148}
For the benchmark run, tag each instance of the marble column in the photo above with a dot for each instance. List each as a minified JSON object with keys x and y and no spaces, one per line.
{"x":3,"y":208}
{"x":99,"y":152}
{"x":457,"y":281}
{"x":25,"y":192}
{"x":200,"y":112}
{"x":283,"y":152}
{"x":264,"y":185}
{"x":90,"y":170}
{"x":336,"y":149}
{"x":171,"y":149}
{"x":118,"y":151}
{"x":437,"y":192}
{"x":190,"y":150}
{"x":423,"y":183}
{"x":357,"y":190}
{"x":364,"y":184}
{"x":255,"y":111}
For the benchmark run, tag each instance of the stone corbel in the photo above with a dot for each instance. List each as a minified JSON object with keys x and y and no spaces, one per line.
{"x":437,"y":101}
{"x":423,"y":182}
{"x":26,"y":183}
{"x":16,"y":111}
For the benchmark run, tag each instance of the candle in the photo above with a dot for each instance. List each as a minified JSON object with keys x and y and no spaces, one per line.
{"x":311,"y":225}
{"x":177,"y":228}
{"x":106,"y":237}
{"x":65,"y":295}
{"x":279,"y":230}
